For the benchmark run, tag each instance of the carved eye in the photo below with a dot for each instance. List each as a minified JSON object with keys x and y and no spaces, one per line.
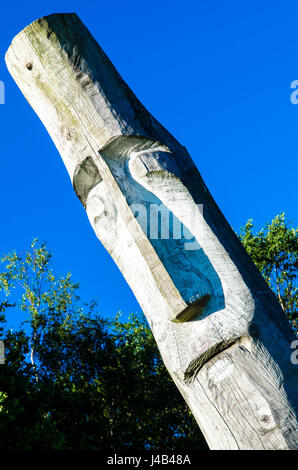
{"x":86,"y":176}
{"x":147,"y":163}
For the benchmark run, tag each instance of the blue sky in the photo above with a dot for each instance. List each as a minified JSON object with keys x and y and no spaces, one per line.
{"x":216,"y":74}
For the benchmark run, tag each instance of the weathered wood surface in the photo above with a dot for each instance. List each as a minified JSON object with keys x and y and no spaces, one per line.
{"x":221,"y":332}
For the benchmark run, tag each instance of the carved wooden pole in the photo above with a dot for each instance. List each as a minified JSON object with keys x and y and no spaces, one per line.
{"x":220,"y":330}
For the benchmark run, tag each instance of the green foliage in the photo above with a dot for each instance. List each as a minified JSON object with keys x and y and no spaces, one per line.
{"x":72,"y":380}
{"x":75,"y":381}
{"x":274,"y":250}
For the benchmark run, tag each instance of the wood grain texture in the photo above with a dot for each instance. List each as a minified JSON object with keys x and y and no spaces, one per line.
{"x":229,"y":352}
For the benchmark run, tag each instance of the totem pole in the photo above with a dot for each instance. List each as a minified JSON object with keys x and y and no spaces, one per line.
{"x":220,"y":330}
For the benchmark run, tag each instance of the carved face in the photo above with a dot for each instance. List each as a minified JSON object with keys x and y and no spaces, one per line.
{"x":155,"y":200}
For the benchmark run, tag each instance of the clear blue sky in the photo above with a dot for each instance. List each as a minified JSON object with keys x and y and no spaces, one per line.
{"x":216,"y":74}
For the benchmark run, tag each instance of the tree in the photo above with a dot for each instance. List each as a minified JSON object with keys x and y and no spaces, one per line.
{"x":75,"y":381}
{"x":274,"y":250}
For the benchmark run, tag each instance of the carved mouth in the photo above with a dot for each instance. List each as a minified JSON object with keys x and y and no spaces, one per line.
{"x":196,"y":365}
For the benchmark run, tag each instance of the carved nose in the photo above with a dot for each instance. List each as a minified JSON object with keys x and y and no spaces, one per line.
{"x":193,"y":310}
